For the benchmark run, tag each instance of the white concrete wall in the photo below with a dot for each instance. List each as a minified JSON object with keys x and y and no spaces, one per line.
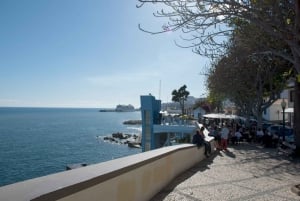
{"x":137,"y":177}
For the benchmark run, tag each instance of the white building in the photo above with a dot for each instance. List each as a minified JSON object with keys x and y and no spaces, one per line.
{"x":275,"y":112}
{"x":198,"y":113}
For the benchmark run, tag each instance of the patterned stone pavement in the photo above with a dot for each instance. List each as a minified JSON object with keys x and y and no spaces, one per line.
{"x":245,"y":172}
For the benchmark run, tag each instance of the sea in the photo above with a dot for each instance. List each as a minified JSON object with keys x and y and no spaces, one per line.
{"x":39,"y":141}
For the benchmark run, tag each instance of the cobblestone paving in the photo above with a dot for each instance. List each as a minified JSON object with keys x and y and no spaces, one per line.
{"x":245,"y":172}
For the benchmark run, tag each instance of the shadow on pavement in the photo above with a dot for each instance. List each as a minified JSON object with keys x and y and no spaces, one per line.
{"x":229,"y":154}
{"x":202,"y":166}
{"x":261,"y":162}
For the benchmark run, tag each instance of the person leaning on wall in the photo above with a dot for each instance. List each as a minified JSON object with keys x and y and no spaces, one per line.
{"x":199,"y":140}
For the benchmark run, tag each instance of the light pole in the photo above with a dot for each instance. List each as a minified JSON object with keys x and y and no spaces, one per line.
{"x":283,"y":105}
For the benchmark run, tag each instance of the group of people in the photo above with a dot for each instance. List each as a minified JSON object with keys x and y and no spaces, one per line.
{"x":233,"y":134}
{"x":221,"y":138}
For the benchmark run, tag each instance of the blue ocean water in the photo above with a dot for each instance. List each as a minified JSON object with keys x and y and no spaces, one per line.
{"x":38,"y":141}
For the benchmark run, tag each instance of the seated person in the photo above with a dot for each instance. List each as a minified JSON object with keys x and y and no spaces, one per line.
{"x":199,"y":140}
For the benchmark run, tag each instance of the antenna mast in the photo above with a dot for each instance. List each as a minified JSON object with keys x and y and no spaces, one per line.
{"x":159,"y":92}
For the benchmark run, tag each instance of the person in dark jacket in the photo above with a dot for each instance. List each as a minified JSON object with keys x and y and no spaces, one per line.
{"x":199,"y":140}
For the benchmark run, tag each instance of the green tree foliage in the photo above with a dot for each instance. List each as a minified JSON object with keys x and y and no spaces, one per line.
{"x":206,"y":27}
{"x":204,"y":104}
{"x":180,"y":96}
{"x":251,"y":80}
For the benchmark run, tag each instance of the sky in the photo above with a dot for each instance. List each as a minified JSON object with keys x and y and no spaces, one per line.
{"x":90,"y":54}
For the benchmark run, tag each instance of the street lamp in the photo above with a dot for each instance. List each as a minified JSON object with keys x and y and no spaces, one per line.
{"x":283,"y":105}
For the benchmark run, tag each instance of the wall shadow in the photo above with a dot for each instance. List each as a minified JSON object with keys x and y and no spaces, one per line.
{"x":200,"y":167}
{"x":263,"y":163}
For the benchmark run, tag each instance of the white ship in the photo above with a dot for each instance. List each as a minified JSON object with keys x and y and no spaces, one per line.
{"x":125,"y":108}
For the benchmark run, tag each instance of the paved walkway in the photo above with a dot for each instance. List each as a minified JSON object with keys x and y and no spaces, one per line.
{"x":245,"y":172}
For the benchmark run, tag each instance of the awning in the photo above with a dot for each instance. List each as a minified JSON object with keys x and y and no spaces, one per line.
{"x":222,"y":116}
{"x":288,"y":110}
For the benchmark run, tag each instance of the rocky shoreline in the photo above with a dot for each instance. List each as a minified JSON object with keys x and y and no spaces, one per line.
{"x":121,"y":138}
{"x":133,"y":122}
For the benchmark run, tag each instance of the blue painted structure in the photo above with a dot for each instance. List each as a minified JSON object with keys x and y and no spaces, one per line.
{"x":155,"y":132}
{"x":150,"y":108}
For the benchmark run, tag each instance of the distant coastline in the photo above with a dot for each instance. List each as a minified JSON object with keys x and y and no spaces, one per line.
{"x":107,"y":110}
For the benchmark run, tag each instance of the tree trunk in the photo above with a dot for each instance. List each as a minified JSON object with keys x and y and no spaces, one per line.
{"x":182,"y":107}
{"x":259,"y":117}
{"x":297,"y":82}
{"x":297,"y":117}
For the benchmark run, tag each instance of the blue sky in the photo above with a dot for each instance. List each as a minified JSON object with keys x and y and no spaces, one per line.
{"x":89,"y":53}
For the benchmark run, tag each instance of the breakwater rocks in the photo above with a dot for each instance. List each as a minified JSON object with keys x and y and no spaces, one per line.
{"x":132,"y":140}
{"x":133,"y":122}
